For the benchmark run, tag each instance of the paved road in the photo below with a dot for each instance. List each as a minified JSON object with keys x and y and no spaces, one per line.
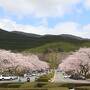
{"x":59,"y":78}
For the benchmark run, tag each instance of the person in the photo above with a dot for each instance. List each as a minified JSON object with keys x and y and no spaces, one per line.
{"x":28,"y":79}
{"x":19,"y":79}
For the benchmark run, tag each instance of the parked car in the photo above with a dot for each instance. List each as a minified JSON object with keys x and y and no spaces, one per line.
{"x":81,"y":77}
{"x":27,"y":75}
{"x":36,"y":78}
{"x":6,"y":77}
{"x":58,"y":70}
{"x":33,"y":74}
{"x":67,"y":76}
{"x":77,"y":77}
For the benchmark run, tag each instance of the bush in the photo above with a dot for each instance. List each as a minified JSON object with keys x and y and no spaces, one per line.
{"x":28,"y":85}
{"x":52,"y":85}
{"x":42,"y":79}
{"x":22,"y":89}
{"x":10,"y":85}
{"x":3,"y":85}
{"x":88,"y":76}
{"x":45,"y":78}
{"x":83,"y":88}
{"x":13,"y":85}
{"x":40,"y":84}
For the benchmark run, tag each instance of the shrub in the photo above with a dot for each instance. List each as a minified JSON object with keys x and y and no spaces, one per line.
{"x":40,"y":84}
{"x":52,"y":85}
{"x":83,"y":88}
{"x":45,"y":78}
{"x":42,"y":79}
{"x":88,"y":76}
{"x":28,"y":85}
{"x":13,"y":85}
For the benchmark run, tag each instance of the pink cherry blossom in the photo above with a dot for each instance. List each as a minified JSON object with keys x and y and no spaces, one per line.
{"x":9,"y":59}
{"x":79,"y":62}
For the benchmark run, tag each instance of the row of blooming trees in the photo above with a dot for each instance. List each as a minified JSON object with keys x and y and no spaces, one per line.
{"x":16,"y":62}
{"x":78,"y":62}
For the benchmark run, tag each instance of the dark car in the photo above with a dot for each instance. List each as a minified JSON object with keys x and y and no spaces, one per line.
{"x":77,"y":77}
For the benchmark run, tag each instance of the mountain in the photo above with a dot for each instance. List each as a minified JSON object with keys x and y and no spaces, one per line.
{"x":11,"y":40}
{"x":71,"y":36}
{"x":26,"y":34}
{"x":22,"y":41}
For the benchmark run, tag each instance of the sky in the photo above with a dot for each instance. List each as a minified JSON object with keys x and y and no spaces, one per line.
{"x":46,"y":16}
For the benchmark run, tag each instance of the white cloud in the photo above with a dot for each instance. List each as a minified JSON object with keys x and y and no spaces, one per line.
{"x":86,"y":30}
{"x":86,"y":4}
{"x":45,"y":8}
{"x":61,"y":28}
{"x":10,"y":25}
{"x":39,"y":8}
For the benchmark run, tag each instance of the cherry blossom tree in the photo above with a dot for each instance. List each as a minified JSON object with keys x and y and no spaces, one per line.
{"x":10,"y":61}
{"x":78,"y":62}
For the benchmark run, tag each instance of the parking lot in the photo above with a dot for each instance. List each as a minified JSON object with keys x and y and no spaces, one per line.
{"x":60,"y":78}
{"x":32,"y":78}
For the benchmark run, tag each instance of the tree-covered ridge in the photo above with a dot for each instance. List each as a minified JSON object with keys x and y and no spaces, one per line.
{"x":24,"y":41}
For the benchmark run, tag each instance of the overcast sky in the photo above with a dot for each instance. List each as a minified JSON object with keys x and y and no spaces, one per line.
{"x":46,"y":16}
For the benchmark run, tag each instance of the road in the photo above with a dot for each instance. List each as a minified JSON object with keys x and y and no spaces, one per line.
{"x":59,"y":78}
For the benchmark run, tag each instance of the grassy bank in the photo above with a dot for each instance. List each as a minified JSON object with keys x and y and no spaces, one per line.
{"x":45,"y":86}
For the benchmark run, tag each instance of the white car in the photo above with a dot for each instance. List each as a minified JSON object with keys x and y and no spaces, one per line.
{"x":27,"y":75}
{"x":4,"y":77}
{"x":33,"y":74}
{"x":67,"y":76}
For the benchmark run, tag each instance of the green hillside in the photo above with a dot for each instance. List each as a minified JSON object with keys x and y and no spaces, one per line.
{"x":21,"y":41}
{"x":56,"y":46}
